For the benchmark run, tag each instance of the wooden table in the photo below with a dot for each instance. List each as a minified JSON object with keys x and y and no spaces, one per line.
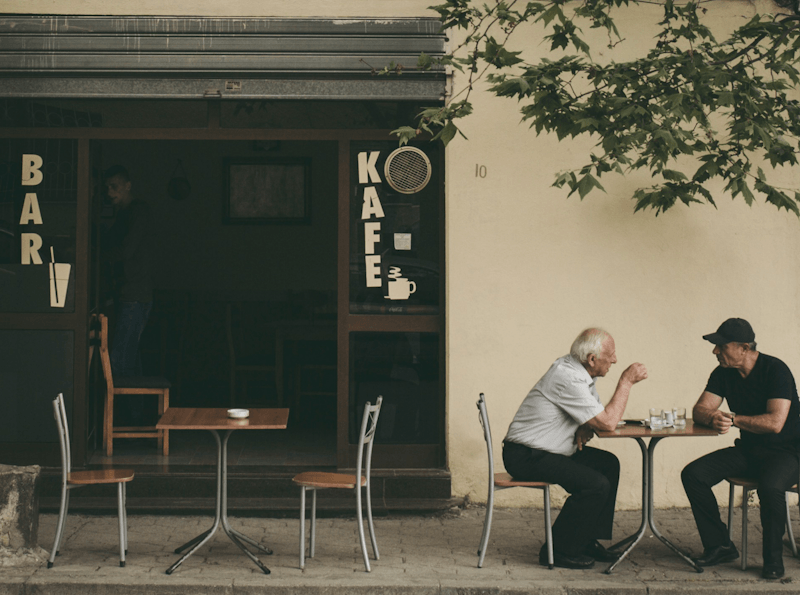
{"x":639,"y":433}
{"x":216,"y":420}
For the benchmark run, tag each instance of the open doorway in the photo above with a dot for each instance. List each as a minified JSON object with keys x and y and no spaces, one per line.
{"x":244,"y":294}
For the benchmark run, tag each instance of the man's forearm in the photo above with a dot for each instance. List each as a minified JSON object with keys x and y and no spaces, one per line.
{"x":766,"y":423}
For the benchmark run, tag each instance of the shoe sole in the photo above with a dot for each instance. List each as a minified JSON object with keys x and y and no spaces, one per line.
{"x":724,"y":560}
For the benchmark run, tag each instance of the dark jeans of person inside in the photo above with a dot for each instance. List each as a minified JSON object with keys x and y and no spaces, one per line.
{"x":125,"y":361}
{"x":776,"y":471}
{"x":590,"y":476}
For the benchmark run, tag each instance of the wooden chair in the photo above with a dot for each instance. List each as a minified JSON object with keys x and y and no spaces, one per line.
{"x":313,"y":481}
{"x":243,"y":364}
{"x":748,"y":485}
{"x":131,"y":385}
{"x":503,"y":481}
{"x":75,"y":479}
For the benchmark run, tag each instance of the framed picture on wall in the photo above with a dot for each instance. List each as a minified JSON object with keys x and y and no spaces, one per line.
{"x":267,"y":190}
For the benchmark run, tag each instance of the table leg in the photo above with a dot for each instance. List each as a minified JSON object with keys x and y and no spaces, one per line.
{"x":197,"y":542}
{"x":650,"y":518}
{"x":632,"y":540}
{"x":234,"y":535}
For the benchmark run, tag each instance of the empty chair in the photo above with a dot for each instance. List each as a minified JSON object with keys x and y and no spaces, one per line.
{"x":748,"y":485}
{"x":75,"y":479}
{"x":132,"y":385}
{"x":313,"y":481}
{"x":503,"y":481}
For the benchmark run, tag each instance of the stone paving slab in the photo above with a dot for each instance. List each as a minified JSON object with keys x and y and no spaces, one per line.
{"x":434,"y":555}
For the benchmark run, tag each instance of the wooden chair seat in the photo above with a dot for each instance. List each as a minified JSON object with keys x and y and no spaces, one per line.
{"x":504,"y":480}
{"x":318,"y":479}
{"x":100,"y":476}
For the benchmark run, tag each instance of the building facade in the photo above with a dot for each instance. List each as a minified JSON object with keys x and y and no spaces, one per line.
{"x":473,"y":282}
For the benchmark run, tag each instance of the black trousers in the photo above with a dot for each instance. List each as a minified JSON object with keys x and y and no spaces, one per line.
{"x":590,"y":476}
{"x":776,"y":471}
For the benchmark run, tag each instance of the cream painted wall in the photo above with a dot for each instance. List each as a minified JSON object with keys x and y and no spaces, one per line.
{"x":528,"y":269}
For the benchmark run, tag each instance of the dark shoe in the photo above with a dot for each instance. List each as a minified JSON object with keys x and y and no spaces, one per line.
{"x":717,"y":555}
{"x":564,"y":561}
{"x":772,"y":572}
{"x":596,"y":550}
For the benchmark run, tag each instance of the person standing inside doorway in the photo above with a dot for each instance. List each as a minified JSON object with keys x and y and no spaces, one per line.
{"x":129,"y":245}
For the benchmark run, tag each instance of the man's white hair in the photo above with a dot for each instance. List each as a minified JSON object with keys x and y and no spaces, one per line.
{"x":589,"y":341}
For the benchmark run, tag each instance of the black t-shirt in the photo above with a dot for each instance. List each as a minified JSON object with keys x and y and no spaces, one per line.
{"x":769,"y":379}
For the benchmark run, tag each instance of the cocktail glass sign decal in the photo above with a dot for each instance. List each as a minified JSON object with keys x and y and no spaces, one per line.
{"x":399,"y":287}
{"x":32,"y":242}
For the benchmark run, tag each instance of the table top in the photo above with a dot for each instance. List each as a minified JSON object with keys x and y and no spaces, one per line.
{"x":641,"y":431}
{"x":216,"y":418}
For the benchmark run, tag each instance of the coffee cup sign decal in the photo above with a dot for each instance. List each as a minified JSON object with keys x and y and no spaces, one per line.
{"x":400,"y":288}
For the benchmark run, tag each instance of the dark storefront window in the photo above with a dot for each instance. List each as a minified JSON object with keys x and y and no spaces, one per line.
{"x":394,"y":235}
{"x":34,"y":367}
{"x":404,"y":369}
{"x":38,"y":202}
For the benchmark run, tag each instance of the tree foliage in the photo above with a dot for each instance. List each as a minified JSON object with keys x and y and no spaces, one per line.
{"x":690,"y":110}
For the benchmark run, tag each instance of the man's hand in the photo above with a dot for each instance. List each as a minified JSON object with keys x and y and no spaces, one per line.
{"x":634,"y":373}
{"x":721,"y":421}
{"x":582,"y":435}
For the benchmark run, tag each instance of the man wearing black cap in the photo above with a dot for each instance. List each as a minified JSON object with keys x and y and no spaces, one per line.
{"x":762,"y":398}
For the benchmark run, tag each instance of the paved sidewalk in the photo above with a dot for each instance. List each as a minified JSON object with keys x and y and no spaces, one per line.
{"x":431,"y":554}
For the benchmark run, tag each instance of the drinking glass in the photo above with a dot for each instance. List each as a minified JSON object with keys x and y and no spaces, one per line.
{"x":679,"y":415}
{"x":656,"y":419}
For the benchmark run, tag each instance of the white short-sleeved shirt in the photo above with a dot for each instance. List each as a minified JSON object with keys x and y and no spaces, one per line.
{"x":562,"y":400}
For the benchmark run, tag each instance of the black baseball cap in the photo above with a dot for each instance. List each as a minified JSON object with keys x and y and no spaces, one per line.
{"x":733,"y":330}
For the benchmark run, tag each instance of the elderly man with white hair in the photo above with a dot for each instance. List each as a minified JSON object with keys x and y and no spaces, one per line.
{"x":546,"y":442}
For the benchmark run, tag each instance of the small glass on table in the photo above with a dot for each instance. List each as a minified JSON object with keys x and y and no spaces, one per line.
{"x":679,"y":417}
{"x":656,"y":419}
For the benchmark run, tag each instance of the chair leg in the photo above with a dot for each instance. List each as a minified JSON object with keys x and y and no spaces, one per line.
{"x":163,"y":435}
{"x":108,"y":425}
{"x":730,"y":512}
{"x":62,"y":517}
{"x":548,"y":528}
{"x":125,"y":513}
{"x":302,"y":527}
{"x":313,"y":543}
{"x":744,"y":528}
{"x":361,"y":527}
{"x":121,"y":516}
{"x":371,"y":526}
{"x":487,"y":526}
{"x":792,"y":543}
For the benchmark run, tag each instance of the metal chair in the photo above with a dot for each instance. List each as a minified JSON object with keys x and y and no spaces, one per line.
{"x":134,"y":385}
{"x":748,"y":485}
{"x":313,"y":481}
{"x":75,"y":479}
{"x":503,"y":481}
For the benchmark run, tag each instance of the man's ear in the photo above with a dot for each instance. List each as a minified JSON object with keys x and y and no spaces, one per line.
{"x":591,"y":359}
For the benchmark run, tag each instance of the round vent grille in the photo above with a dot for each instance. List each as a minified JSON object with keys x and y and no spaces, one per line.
{"x":408,"y":170}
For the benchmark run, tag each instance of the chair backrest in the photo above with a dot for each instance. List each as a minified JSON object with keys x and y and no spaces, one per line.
{"x":366,"y":438}
{"x":105,"y":358}
{"x":60,"y":413}
{"x":487,"y":434}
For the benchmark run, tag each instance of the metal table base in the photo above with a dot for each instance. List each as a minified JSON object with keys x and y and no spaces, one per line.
{"x":647,"y":509}
{"x":221,"y":514}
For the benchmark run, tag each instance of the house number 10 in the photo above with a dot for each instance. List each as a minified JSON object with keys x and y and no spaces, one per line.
{"x":480,"y":171}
